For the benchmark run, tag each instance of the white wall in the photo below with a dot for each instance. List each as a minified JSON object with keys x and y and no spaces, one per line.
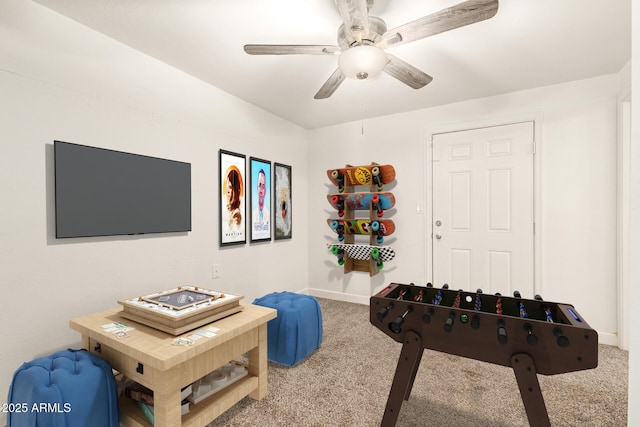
{"x":59,"y":80}
{"x":577,"y":208}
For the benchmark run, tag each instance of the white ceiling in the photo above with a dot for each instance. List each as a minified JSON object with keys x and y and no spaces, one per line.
{"x":529,"y":43}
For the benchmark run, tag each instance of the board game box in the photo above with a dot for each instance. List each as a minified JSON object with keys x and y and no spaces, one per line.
{"x":182,"y":309}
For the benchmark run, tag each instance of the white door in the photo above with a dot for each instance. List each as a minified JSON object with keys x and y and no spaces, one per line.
{"x":483,"y":215}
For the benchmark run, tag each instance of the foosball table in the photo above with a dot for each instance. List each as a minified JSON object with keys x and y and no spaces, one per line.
{"x":532,"y":336}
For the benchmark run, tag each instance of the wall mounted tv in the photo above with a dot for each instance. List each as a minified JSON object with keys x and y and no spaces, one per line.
{"x":100,"y":192}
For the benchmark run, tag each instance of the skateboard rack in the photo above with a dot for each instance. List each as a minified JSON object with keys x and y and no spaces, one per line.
{"x":352,"y":264}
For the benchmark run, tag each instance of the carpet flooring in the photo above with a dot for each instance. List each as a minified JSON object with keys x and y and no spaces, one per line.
{"x":347,"y":381}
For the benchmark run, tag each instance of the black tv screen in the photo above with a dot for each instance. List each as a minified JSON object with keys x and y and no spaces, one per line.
{"x":100,"y":192}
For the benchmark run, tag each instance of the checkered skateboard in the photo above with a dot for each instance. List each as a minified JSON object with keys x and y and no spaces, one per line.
{"x":363,"y":252}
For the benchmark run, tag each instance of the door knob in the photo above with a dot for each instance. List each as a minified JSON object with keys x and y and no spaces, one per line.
{"x":438,"y":236}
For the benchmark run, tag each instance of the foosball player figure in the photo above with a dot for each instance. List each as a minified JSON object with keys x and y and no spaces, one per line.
{"x":499,"y":305}
{"x":401,"y":294}
{"x":478,"y":303}
{"x":437,"y":299}
{"x":523,"y":311}
{"x":418,"y":298}
{"x":521,"y":307}
{"x":547,"y":311}
{"x":456,"y":302}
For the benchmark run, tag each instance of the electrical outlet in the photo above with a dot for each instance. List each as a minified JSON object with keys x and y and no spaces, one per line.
{"x":215,"y":271}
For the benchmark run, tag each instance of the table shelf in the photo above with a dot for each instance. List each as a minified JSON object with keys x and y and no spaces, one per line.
{"x":201,"y":413}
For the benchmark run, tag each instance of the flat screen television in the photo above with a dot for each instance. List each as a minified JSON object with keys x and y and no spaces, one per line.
{"x":101,"y":192}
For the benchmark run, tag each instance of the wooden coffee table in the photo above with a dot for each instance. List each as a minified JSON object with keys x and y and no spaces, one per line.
{"x":148,"y":357}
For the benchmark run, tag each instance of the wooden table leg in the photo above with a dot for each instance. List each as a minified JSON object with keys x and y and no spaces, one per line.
{"x":526,"y":375}
{"x":406,"y":370}
{"x":258,"y":363}
{"x":166,"y":408}
{"x":85,"y":342}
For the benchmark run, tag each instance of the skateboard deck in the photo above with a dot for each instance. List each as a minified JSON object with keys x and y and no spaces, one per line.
{"x":362,"y":175}
{"x":363,"y":252}
{"x":383,"y":227}
{"x":379,"y":202}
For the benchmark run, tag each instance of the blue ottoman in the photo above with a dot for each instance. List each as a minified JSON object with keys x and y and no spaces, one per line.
{"x":70,"y":388}
{"x":297,"y":331}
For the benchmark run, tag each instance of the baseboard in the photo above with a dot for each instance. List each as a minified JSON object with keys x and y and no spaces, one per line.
{"x":338,"y":296}
{"x":608,"y":338}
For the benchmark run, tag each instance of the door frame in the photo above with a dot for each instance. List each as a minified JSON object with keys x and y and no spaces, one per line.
{"x":624,"y":188}
{"x":536,"y":119}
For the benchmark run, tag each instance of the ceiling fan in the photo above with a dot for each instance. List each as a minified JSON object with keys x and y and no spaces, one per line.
{"x":362,"y":39}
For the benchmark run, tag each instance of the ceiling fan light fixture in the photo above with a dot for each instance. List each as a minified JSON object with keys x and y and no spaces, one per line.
{"x":362,"y":62}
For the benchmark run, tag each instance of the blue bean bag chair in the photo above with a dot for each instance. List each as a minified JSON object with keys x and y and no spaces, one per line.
{"x":70,"y":388}
{"x":297,"y":331}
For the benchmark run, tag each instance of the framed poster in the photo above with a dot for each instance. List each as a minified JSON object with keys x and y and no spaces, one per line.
{"x":282,"y":200}
{"x":260,"y":199}
{"x":232,"y":198}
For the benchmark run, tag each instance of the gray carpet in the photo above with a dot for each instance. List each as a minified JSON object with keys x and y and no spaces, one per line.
{"x":347,"y":381}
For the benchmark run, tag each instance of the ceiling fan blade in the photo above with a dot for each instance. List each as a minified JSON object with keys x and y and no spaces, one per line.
{"x":355,"y":16}
{"x":330,"y":85}
{"x":407,"y":74}
{"x":290,"y":49}
{"x":468,"y":12}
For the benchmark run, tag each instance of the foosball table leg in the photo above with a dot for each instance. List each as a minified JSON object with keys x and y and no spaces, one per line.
{"x":527,"y":378}
{"x":408,"y":364}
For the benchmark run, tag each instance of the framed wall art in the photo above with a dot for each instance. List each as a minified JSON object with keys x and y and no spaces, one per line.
{"x":232,"y":198}
{"x":282,"y":201}
{"x":260,"y":199}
